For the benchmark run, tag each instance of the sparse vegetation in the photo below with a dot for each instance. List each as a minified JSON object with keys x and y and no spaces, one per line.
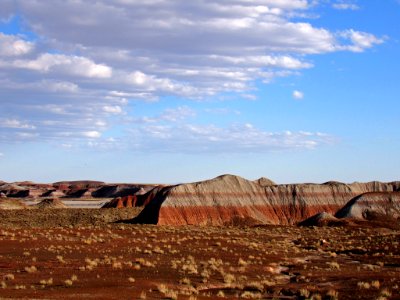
{"x":200,"y":262}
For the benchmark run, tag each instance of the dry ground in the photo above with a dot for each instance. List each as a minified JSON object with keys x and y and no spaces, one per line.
{"x":96,"y":260}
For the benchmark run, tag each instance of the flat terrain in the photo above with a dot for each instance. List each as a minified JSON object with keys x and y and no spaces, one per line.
{"x":28,"y":218}
{"x":101,"y":260}
{"x":74,"y":202}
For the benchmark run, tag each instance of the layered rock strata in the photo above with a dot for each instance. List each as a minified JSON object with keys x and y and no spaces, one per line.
{"x":71,"y":189}
{"x":372,"y":204}
{"x":221,"y":200}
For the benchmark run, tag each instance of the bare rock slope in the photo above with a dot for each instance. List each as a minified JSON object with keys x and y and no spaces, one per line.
{"x":227,"y":198}
{"x":372,"y":205}
{"x":50,"y":203}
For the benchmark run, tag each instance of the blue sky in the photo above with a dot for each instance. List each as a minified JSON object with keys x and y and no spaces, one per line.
{"x":176,"y":91}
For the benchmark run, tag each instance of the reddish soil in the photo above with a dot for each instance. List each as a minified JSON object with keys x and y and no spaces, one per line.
{"x":124,"y":261}
{"x":218,"y":215}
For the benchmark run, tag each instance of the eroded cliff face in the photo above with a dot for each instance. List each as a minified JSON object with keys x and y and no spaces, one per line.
{"x":372,"y":205}
{"x":227,"y":199}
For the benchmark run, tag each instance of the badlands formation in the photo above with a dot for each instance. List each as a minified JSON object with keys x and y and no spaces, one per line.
{"x":69,"y":189}
{"x":224,"y":200}
{"x":48,"y":251}
{"x":228,"y":199}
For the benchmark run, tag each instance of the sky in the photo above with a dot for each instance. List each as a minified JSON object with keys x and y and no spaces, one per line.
{"x":168,"y":91}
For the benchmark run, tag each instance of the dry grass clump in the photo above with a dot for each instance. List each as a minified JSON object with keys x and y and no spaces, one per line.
{"x":251,"y":295}
{"x":229,"y":278}
{"x":363,"y":285}
{"x":242,"y":262}
{"x":19,"y":287}
{"x":304,"y":293}
{"x":145,"y":263}
{"x":167,"y":293}
{"x":31,"y":269}
{"x":9,"y":276}
{"x":68,"y":282}
{"x":367,"y":285}
{"x":45,"y":282}
{"x":376,"y":284}
{"x":332,"y":295}
{"x":60,"y":259}
{"x":384,"y":294}
{"x":185,"y":281}
{"x":333,"y":265}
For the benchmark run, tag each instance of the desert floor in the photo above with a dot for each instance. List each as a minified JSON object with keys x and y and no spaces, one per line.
{"x":72,"y":254}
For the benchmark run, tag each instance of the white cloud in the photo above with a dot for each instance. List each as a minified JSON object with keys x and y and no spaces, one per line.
{"x":113,"y":109}
{"x":188,"y":138}
{"x":360,"y":40}
{"x":178,"y":114}
{"x":92,"y":134}
{"x":82,"y":71}
{"x":222,"y":111}
{"x":298,"y":95}
{"x":15,"y":124}
{"x":151,"y":83}
{"x":171,"y":115}
{"x":1,"y":154}
{"x":345,"y":6}
{"x":73,"y":65}
{"x":283,"y":61}
{"x":249,"y":97}
{"x":61,"y":86}
{"x":11,"y":45}
{"x":26,"y":135}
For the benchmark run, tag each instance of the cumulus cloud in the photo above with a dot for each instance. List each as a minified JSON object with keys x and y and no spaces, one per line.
{"x":360,"y":40}
{"x":112,"y":109}
{"x":65,"y":64}
{"x":298,"y":95}
{"x":11,"y":45}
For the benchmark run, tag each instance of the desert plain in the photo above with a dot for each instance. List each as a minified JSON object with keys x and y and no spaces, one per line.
{"x":51,"y":250}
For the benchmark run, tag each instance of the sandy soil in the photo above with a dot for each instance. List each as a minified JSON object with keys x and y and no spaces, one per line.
{"x":101,"y":260}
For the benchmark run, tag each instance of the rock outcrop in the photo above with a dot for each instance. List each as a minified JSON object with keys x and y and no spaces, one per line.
{"x":323,"y":219}
{"x":121,"y":190}
{"x":222,"y":199}
{"x":122,"y":202}
{"x":371,"y":209}
{"x":262,"y":181}
{"x":53,"y":194}
{"x":371,"y":205}
{"x":71,"y":189}
{"x":51,"y":203}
